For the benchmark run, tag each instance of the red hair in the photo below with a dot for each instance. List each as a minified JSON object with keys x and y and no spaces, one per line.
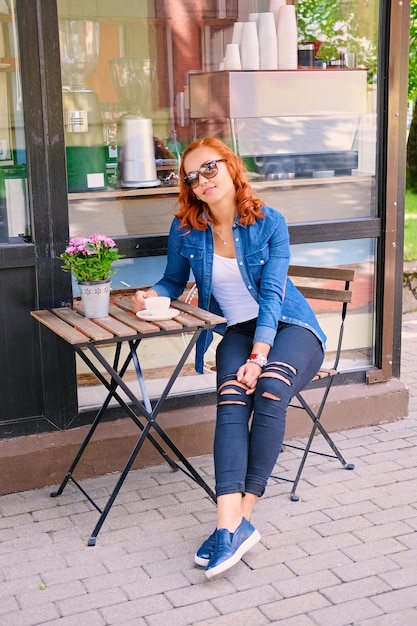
{"x":191,"y":212}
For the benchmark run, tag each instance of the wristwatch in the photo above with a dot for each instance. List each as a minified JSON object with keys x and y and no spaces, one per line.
{"x":259,"y":359}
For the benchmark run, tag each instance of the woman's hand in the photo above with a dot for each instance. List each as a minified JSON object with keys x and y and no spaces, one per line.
{"x":248,"y":374}
{"x":138,"y":300}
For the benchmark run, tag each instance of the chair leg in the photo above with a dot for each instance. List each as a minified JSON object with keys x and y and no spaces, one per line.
{"x":293,"y":495}
{"x":317,"y":427}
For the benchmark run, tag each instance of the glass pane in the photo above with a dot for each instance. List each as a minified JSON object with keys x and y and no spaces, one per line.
{"x":14,"y":212}
{"x":358,"y":339}
{"x":158,"y":357}
{"x":142,"y":80}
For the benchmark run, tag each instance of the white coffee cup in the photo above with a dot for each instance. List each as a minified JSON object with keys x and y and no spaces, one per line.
{"x":158,"y":305}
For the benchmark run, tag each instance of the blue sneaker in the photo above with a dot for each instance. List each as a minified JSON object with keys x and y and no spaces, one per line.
{"x":205,"y":551}
{"x":230,"y":547}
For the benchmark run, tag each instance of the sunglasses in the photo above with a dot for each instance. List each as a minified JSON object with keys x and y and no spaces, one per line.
{"x":208,"y":170}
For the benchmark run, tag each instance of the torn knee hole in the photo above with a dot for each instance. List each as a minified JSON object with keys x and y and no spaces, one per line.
{"x":231,"y":386}
{"x":267,"y":374}
{"x":281,"y":364}
{"x":229,"y":391}
{"x":271,"y":396}
{"x":279,"y":370}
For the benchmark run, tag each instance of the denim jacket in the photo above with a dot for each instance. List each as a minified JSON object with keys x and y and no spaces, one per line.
{"x":263,"y":253}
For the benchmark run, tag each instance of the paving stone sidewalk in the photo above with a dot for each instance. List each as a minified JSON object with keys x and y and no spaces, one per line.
{"x":345,"y":554}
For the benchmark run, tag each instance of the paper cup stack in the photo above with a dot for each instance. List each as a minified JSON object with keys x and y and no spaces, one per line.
{"x":274,"y":7}
{"x":237,"y":33}
{"x":267,"y":41}
{"x":232,"y":57}
{"x":249,"y":48}
{"x":267,"y":35}
{"x":287,"y":38}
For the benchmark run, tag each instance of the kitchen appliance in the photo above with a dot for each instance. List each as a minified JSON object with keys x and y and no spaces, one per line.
{"x":85,"y":152}
{"x":132,"y":79}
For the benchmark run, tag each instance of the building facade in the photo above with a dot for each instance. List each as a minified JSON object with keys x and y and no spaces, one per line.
{"x":98,"y":102}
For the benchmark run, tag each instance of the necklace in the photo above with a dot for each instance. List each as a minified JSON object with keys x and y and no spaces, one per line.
{"x":220,"y":237}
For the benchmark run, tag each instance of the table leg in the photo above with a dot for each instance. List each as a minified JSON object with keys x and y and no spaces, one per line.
{"x":145,"y":409}
{"x":113,"y":393}
{"x":151,"y":416}
{"x":112,"y":388}
{"x":122,"y":478}
{"x":189,"y":471}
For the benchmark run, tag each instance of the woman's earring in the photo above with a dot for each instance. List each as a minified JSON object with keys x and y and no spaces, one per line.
{"x":199,"y":199}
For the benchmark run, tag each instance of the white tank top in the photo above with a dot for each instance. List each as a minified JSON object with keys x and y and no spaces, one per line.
{"x":231,"y":292}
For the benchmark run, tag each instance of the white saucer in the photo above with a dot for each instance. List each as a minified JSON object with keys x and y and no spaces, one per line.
{"x":147,"y":315}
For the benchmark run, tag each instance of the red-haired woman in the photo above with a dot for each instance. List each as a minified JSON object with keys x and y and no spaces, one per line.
{"x":272,"y":345}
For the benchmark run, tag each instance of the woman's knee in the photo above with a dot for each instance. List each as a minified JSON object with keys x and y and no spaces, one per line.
{"x":231,"y":392}
{"x":276,"y":383}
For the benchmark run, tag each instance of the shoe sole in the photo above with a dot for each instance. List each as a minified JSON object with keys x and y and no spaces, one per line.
{"x":235,"y":558}
{"x":198,"y":560}
{"x":202,"y":561}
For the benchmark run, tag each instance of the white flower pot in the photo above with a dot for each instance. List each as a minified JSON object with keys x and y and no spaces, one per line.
{"x":95,"y":298}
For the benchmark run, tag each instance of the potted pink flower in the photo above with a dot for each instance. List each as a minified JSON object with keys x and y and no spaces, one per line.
{"x":90,"y":260}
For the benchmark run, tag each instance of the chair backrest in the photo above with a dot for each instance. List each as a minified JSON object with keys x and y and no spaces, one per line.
{"x":331,"y":284}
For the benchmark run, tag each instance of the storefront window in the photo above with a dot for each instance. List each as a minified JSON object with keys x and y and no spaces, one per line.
{"x":140,"y":83}
{"x":14,"y":212}
{"x":142,"y":80}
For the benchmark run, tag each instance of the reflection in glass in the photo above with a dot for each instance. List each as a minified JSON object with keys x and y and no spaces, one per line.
{"x":358,"y":254}
{"x":132,"y":80}
{"x":15,"y":226}
{"x":357,"y":354}
{"x":110,"y":116}
{"x":319,"y":130}
{"x":79,"y":44}
{"x":79,"y":41}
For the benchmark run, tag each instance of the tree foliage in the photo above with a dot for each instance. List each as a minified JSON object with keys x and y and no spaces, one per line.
{"x":353,"y":25}
{"x":341,"y":26}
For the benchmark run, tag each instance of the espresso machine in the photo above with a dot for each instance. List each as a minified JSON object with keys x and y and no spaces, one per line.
{"x":132,"y":79}
{"x":85,"y":152}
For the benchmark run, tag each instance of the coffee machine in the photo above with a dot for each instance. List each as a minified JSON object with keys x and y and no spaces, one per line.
{"x":132,"y":79}
{"x":85,"y":152}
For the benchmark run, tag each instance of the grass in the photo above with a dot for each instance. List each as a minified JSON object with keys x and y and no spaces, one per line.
{"x":410,"y":227}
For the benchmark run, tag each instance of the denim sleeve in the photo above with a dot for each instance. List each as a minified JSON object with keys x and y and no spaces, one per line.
{"x":273,"y":282}
{"x":177,"y":270}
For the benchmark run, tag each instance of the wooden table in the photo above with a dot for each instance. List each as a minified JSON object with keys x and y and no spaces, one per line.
{"x":87,"y":337}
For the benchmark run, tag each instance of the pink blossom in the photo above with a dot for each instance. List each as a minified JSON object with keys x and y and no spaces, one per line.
{"x":77,"y":241}
{"x":96,"y":238}
{"x":107,"y":241}
{"x":90,"y":258}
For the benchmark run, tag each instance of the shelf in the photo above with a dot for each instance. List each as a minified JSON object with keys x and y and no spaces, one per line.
{"x":124,"y":193}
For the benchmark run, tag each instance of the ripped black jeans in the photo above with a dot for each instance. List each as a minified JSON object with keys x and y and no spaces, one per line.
{"x":245,"y":452}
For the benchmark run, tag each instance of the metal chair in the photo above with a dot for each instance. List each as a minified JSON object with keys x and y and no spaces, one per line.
{"x":324,"y":284}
